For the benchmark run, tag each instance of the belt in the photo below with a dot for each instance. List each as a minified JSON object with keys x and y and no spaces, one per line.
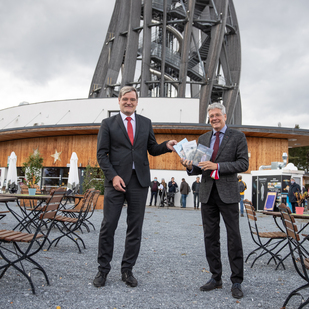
{"x":133,"y":172}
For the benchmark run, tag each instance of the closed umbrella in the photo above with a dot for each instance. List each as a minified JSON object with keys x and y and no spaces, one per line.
{"x":12,"y":171}
{"x":73,"y":181}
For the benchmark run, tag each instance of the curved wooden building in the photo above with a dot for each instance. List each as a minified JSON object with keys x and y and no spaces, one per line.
{"x":62,"y":127}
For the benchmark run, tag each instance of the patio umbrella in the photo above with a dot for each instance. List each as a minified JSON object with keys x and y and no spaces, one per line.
{"x":12,"y":171}
{"x":73,"y":181}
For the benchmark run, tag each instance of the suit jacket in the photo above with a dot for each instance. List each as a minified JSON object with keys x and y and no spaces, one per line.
{"x":116,"y":154}
{"x":233,"y":158}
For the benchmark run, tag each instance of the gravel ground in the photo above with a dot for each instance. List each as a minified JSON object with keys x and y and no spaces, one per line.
{"x":170,"y":269}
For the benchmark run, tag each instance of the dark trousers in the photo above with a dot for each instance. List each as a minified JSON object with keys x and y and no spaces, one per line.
{"x":211,"y":223}
{"x":294,"y":204}
{"x":171,"y":197}
{"x":196,"y":197}
{"x":135,"y":196}
{"x":153,"y":194}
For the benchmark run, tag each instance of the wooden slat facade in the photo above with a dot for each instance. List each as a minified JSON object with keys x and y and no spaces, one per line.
{"x":263,"y":150}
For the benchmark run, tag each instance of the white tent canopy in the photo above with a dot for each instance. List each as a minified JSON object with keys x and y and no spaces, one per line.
{"x":73,"y":180}
{"x":12,"y":171}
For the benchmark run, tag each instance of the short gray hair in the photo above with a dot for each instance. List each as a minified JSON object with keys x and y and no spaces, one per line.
{"x":217,"y":105}
{"x":127,"y":89}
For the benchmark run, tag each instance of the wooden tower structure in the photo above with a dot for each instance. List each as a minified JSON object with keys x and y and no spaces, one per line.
{"x":173,"y":48}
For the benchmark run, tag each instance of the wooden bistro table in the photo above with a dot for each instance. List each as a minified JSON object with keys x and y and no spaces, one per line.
{"x":277,"y":214}
{"x":27,"y":216}
{"x":6,"y":200}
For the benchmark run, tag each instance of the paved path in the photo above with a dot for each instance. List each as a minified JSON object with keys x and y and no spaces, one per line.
{"x":170,"y":269}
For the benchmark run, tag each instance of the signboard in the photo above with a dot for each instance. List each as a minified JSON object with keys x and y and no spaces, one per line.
{"x":270,"y":201}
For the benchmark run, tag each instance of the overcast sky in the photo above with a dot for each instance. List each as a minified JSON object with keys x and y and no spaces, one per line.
{"x":49,"y":50}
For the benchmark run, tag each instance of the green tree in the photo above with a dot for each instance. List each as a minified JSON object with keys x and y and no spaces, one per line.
{"x":93,"y":178}
{"x":32,"y":168}
{"x":300,"y":157}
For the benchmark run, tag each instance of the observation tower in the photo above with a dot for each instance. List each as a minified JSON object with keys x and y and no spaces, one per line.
{"x":173,"y":49}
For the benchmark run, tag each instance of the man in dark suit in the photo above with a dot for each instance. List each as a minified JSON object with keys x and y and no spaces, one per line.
{"x":123,"y":142}
{"x":219,"y":195}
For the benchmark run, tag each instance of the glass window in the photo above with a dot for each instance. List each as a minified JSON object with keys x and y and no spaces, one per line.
{"x":55,"y":176}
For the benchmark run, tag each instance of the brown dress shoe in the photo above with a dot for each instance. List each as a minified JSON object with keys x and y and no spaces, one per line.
{"x":129,"y":279}
{"x":211,"y":285}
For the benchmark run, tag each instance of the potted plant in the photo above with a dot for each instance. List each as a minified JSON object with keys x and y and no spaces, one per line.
{"x":300,"y":198}
{"x":32,"y":169}
{"x":94,"y":178}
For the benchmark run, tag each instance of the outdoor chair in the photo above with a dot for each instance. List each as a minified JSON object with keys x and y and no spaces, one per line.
{"x":267,"y":242}
{"x":18,"y":248}
{"x":300,"y":260}
{"x":92,"y":209}
{"x":75,"y":210}
{"x":3,"y":213}
{"x":26,"y":202}
{"x":33,"y":213}
{"x":68,"y":225}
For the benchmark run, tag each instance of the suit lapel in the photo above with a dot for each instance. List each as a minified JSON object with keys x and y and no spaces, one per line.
{"x":122,"y":127}
{"x":137,"y":124}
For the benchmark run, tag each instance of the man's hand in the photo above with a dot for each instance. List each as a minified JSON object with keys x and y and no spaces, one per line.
{"x":170,"y":144}
{"x":186,"y":163}
{"x":208,"y":165}
{"x":119,"y":184}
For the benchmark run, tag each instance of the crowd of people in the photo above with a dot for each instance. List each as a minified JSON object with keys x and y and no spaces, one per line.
{"x":163,"y":194}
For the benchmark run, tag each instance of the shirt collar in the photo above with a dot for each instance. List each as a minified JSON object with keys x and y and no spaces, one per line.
{"x":221,"y":131}
{"x":123,"y":116}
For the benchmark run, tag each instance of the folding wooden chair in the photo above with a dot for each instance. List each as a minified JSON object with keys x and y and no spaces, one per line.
{"x":18,"y":248}
{"x":92,"y":209}
{"x":267,"y":242}
{"x":31,"y":214}
{"x":74,"y":212}
{"x":3,"y":213}
{"x":68,"y":225}
{"x":300,"y":260}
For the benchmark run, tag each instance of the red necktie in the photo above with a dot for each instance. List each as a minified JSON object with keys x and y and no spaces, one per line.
{"x":130,"y":130}
{"x":216,"y":147}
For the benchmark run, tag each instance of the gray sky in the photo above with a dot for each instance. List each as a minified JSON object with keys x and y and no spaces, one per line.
{"x":49,"y":50}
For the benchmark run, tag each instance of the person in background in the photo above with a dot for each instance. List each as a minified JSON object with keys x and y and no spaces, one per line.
{"x":294,"y":188}
{"x":172,"y":188}
{"x":196,"y":189}
{"x":184,"y":191}
{"x":163,"y":185}
{"x":242,"y":187}
{"x":162,"y":192}
{"x":154,"y":186}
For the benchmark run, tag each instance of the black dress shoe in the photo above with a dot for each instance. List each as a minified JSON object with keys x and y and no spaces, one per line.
{"x":129,"y":279}
{"x":236,"y":291}
{"x":211,"y":285}
{"x":99,"y":279}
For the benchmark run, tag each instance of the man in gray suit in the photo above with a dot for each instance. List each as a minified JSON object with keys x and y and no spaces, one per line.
{"x":123,"y":142}
{"x":219,"y":195}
